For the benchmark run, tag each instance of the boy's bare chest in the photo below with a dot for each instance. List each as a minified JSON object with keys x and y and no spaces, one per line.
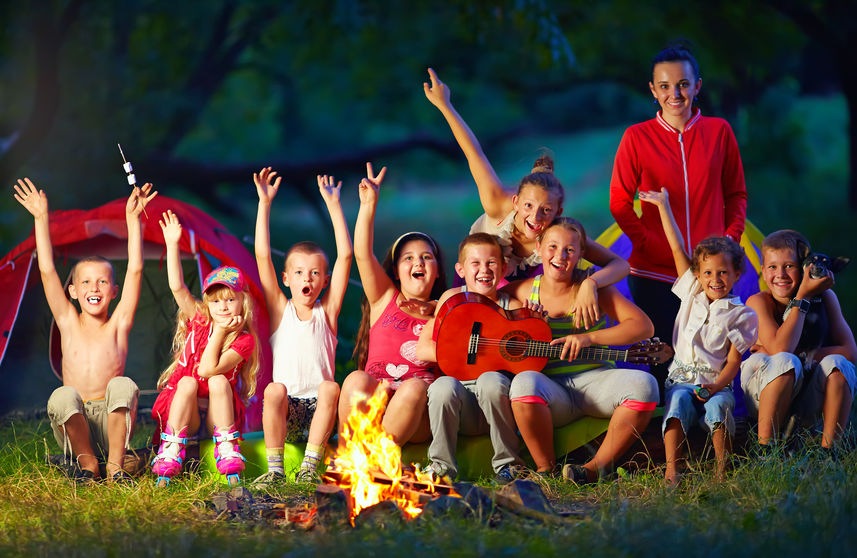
{"x":88,"y":350}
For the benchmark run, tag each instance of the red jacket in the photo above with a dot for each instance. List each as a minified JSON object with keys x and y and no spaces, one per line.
{"x":700,"y":168}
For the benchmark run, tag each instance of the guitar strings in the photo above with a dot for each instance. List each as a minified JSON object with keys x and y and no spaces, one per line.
{"x":533,"y":347}
{"x":545,"y":346}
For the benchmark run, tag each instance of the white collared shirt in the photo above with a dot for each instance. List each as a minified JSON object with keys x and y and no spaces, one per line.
{"x":704,"y":330}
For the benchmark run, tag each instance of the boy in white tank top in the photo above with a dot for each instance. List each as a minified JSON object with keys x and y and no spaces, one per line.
{"x":300,"y":403}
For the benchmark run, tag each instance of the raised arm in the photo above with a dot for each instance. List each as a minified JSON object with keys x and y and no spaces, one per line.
{"x":36,"y":202}
{"x":127,"y":305}
{"x":335,"y":294}
{"x":496,"y":201}
{"x":662,"y":201}
{"x":172,"y":230}
{"x":267,"y":185}
{"x":376,"y":284}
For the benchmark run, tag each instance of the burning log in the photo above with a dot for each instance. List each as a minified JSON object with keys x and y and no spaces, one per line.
{"x":367,"y":464}
{"x":380,"y":516}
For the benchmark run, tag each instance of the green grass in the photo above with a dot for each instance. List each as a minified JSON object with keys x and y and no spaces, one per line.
{"x":786,"y":506}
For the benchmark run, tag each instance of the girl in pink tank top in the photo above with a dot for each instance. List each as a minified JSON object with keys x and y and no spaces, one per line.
{"x":399,"y":299}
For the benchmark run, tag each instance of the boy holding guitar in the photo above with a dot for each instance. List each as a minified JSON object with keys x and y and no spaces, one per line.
{"x":570,"y":388}
{"x":480,"y":403}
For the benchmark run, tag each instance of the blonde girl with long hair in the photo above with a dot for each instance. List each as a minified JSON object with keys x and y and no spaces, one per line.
{"x":215,"y":362}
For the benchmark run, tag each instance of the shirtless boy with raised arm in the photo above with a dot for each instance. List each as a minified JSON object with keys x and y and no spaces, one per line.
{"x":95,"y":408}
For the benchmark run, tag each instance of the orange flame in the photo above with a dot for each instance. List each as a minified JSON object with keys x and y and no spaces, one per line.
{"x":364,"y":450}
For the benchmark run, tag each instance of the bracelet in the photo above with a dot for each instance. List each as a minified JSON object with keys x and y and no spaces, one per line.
{"x":801,"y":304}
{"x":591,"y":278}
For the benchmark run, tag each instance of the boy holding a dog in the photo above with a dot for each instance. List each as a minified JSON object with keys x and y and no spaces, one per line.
{"x":802,"y":366}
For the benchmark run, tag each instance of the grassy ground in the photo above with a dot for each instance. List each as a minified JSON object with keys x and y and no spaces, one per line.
{"x":801,"y":505}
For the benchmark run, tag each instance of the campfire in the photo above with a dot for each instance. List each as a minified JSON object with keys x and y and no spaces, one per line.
{"x":366,"y":484}
{"x":367,"y":465}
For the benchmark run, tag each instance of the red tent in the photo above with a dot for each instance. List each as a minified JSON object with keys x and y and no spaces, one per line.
{"x":205,"y":244}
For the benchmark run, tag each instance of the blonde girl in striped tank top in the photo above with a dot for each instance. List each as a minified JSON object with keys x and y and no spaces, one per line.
{"x":568,"y":390}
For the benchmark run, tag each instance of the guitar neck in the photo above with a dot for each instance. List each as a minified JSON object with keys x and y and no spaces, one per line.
{"x":543,"y":349}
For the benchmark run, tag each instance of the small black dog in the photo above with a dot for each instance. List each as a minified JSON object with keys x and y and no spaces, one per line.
{"x":821,"y":263}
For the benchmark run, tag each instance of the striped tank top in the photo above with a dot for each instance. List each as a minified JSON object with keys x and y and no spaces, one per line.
{"x":560,"y":327}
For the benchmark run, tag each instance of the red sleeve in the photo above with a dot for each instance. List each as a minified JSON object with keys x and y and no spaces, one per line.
{"x":243,"y":345}
{"x":623,"y":188}
{"x":734,"y":187}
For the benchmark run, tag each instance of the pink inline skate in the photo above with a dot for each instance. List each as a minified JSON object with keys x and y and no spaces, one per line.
{"x":168,"y":462}
{"x":227,"y":455}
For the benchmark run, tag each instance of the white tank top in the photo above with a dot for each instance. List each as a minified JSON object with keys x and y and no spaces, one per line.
{"x":303,"y":351}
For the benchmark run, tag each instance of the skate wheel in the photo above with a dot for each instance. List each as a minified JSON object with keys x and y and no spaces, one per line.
{"x":162,"y":482}
{"x":233,"y":479}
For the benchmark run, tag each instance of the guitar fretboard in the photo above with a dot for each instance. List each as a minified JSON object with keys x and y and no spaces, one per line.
{"x":531,"y":348}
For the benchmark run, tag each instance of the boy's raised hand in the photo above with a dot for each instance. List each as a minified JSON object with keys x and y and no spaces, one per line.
{"x":370,"y":185}
{"x":267,"y":189}
{"x":659,"y":198}
{"x":171,"y":227}
{"x":329,"y":188}
{"x":139,"y":199}
{"x":34,"y":200}
{"x":436,"y":92}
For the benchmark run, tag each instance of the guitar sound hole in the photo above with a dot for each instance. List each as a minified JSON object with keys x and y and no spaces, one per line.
{"x":513,"y":346}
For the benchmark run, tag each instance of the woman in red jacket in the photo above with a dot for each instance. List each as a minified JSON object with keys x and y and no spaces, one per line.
{"x":696,"y":159}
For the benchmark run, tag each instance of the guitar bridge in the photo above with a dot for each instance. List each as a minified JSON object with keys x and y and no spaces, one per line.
{"x":473,"y":345}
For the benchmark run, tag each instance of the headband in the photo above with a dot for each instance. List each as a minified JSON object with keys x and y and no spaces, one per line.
{"x":421,"y":235}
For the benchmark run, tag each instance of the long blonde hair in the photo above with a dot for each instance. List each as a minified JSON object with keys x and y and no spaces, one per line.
{"x":250,"y":369}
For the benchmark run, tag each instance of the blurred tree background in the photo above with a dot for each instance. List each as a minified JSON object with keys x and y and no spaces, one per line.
{"x":202,"y":94}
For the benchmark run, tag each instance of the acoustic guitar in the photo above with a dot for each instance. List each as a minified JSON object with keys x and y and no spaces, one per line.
{"x":475,"y":335}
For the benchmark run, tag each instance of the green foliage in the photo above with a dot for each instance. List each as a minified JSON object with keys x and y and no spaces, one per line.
{"x":775,"y":132}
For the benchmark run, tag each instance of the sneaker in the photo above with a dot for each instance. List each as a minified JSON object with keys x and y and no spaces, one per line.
{"x":84,"y":476}
{"x":554,"y":473}
{"x":267,"y":480}
{"x":436,"y":473}
{"x":507,"y":474}
{"x":308,"y":476}
{"x":71,"y":469}
{"x":121,"y":477}
{"x":576,"y":474}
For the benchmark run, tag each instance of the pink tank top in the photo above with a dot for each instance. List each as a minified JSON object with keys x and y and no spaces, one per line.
{"x":393,"y":347}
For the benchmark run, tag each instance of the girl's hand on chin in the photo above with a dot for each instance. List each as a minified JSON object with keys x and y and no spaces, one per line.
{"x":232,"y":324}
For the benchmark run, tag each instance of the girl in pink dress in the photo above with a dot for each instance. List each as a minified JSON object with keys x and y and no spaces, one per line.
{"x":216,"y":359}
